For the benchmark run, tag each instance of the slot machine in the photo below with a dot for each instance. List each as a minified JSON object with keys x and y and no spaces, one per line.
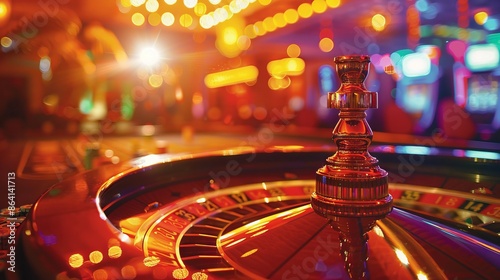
{"x":476,"y":75}
{"x":417,"y":87}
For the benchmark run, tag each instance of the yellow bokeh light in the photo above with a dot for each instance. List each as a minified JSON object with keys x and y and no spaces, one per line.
{"x":319,"y":6}
{"x":75,"y":260}
{"x":180,"y":273}
{"x":293,"y":50}
{"x":186,"y":20}
{"x":200,"y":9}
{"x":138,"y":19}
{"x":151,"y":261}
{"x":95,"y":257}
{"x":333,"y":3}
{"x":167,"y":19}
{"x":291,"y":16}
{"x":190,"y":3}
{"x":231,"y":77}
{"x":155,"y":80}
{"x":378,"y":22}
{"x":305,"y":10}
{"x":126,"y":3}
{"x":265,"y":2}
{"x":481,"y":17}
{"x":222,"y":14}
{"x":170,"y":2}
{"x":238,"y":6}
{"x":279,"y":20}
{"x":207,"y":21}
{"x":286,"y":66}
{"x":137,"y":3}
{"x":326,"y":45}
{"x":243,"y":42}
{"x":273,"y":83}
{"x":230,"y":35}
{"x":6,"y":42}
{"x":154,"y":19}
{"x":152,"y":6}
{"x":259,"y":29}
{"x":115,"y":252}
{"x":268,"y":24}
{"x":249,"y":31}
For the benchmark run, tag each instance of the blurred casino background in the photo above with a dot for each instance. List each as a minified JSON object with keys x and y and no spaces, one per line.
{"x":69,"y":67}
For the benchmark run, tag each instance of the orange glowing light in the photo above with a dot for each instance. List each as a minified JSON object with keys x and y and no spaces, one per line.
{"x":293,"y":50}
{"x":100,"y":274}
{"x":251,"y":252}
{"x":154,"y":19}
{"x":326,"y":45}
{"x":129,"y":272}
{"x":4,"y":10}
{"x":178,"y":94}
{"x":197,"y":98}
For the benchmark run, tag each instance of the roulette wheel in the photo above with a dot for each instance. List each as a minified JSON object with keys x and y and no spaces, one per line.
{"x":268,"y":213}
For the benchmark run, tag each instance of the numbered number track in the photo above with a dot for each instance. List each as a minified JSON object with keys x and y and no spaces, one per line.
{"x":227,"y":214}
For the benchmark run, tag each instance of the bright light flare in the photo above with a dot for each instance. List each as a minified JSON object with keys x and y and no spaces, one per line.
{"x":149,"y":56}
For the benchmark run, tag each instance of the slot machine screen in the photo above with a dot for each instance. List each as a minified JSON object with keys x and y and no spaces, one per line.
{"x":417,"y":98}
{"x":483,"y":93}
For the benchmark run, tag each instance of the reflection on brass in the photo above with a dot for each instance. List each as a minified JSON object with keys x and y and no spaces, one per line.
{"x":351,"y":189}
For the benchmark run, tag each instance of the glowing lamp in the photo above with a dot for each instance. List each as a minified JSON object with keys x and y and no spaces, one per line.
{"x":482,"y":57}
{"x":231,"y":77}
{"x":292,"y":66}
{"x":416,"y":65}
